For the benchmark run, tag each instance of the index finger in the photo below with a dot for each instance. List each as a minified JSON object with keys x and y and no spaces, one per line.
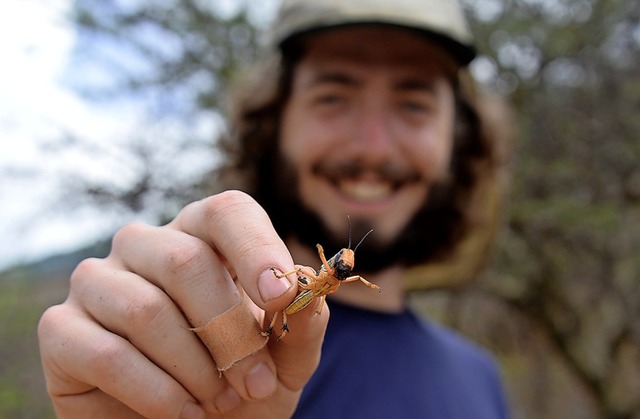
{"x":237,"y":227}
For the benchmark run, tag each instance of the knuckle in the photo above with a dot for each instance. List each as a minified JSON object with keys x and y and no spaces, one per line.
{"x":190,"y":255}
{"x":145,"y":312}
{"x":125,"y":234}
{"x":217,"y":206}
{"x":104,"y":354}
{"x":229,"y":198}
{"x":50,"y":322}
{"x":85,"y":271}
{"x":253,"y":246}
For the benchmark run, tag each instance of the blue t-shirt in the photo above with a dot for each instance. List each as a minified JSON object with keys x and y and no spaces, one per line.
{"x":378,"y":365}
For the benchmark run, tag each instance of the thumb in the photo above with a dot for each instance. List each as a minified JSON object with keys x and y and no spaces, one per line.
{"x":298,"y":354}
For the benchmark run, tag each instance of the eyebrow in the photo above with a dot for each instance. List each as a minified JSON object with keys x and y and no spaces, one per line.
{"x":405,"y":84}
{"x":416,"y":84}
{"x":333,"y":77}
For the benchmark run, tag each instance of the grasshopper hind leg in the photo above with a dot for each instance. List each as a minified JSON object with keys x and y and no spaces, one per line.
{"x":269,"y":329}
{"x":285,"y":326}
{"x":284,"y":329}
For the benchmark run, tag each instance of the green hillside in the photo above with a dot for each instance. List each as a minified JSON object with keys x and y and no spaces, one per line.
{"x":25,"y":292}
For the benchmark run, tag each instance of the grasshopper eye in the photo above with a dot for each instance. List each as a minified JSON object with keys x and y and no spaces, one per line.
{"x":343,"y":270}
{"x":303,"y":279}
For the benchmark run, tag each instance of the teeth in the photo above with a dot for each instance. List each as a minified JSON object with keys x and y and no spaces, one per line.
{"x":366,"y":191}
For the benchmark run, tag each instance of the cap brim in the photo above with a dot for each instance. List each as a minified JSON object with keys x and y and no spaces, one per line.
{"x":463,"y":54}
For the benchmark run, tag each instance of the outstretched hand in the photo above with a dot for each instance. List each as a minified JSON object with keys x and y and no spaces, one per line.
{"x":121,"y":344}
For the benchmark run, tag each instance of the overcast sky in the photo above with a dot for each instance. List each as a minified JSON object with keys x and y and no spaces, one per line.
{"x":35,"y":108}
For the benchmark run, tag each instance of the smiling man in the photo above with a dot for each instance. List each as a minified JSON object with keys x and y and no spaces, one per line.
{"x":362,"y":111}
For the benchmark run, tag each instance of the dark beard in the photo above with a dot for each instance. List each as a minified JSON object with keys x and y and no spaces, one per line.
{"x":430,"y":233}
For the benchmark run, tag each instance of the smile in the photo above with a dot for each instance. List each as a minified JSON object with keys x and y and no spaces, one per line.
{"x":365,"y":190}
{"x":367,"y":185}
{"x":370,"y":188}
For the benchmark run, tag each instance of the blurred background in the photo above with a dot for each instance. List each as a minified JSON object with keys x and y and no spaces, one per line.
{"x":109,"y":112}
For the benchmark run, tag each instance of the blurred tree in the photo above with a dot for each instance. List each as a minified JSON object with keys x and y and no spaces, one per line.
{"x":174,"y":60}
{"x":182,"y":54}
{"x":561,"y":301}
{"x":567,"y":272}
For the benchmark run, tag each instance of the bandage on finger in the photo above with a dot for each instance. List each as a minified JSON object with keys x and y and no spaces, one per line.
{"x":232,"y":336}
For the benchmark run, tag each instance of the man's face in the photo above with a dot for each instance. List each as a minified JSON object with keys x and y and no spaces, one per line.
{"x":368,"y":128}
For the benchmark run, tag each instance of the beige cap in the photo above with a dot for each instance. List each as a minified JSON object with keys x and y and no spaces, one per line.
{"x":442,"y":20}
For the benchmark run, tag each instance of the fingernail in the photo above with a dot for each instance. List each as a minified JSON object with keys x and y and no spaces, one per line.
{"x":192,"y":411}
{"x":260,"y":382}
{"x":227,"y":400}
{"x":270,"y":286}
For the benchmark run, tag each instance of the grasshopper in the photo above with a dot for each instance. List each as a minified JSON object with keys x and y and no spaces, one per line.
{"x":320,"y":283}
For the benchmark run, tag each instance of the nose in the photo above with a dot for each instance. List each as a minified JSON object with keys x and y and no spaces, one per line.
{"x":372,"y":135}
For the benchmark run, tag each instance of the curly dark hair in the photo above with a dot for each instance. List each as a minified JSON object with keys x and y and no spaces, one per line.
{"x":253,"y":163}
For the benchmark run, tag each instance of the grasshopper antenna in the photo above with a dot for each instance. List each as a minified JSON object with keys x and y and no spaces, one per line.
{"x":349,"y":220}
{"x":361,"y":240}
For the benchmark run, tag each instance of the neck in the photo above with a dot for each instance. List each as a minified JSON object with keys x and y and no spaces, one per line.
{"x":390,"y":299}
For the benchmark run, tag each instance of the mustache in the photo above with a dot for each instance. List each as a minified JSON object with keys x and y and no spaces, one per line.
{"x":391,"y":172}
{"x":437,"y":226}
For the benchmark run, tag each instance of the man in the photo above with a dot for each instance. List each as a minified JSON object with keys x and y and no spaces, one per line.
{"x":362,"y":113}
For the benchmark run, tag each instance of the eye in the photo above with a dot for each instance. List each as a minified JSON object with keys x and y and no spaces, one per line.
{"x":416,"y":109}
{"x":418,"y":103}
{"x":329,"y":99}
{"x":415,"y":106}
{"x":329,"y":103}
{"x":343,"y":271}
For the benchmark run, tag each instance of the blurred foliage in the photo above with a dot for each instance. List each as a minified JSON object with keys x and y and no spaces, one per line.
{"x":175,"y":61}
{"x":174,"y":49}
{"x":566,"y":277}
{"x":22,"y":388}
{"x":561,"y":302}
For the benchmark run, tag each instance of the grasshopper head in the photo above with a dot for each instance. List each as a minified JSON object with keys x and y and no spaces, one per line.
{"x":344,"y":264}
